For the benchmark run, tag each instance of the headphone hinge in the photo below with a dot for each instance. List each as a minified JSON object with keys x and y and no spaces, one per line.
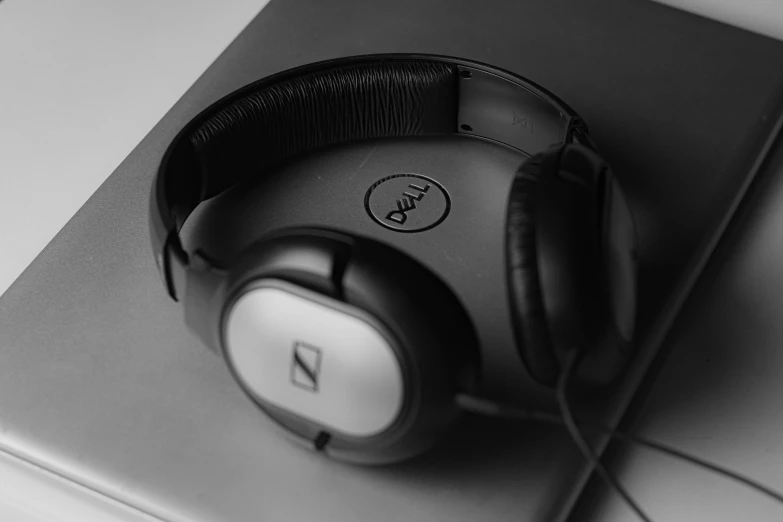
{"x":508,"y":112}
{"x":175,"y":266}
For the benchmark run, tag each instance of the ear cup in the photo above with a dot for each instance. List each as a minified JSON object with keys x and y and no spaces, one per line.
{"x":568,"y":268}
{"x":387,"y":345}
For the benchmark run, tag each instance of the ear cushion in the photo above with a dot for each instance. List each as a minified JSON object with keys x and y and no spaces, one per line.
{"x":570,"y":265}
{"x":528,"y":315}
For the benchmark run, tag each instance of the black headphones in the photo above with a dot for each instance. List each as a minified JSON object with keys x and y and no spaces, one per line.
{"x":354,"y":347}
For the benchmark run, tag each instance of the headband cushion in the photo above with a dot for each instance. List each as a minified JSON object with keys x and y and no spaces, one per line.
{"x":302,"y":113}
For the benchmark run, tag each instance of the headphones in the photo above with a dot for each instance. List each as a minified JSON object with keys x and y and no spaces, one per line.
{"x":352,"y":346}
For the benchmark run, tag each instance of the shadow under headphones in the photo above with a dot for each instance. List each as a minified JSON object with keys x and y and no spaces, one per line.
{"x":352,"y":346}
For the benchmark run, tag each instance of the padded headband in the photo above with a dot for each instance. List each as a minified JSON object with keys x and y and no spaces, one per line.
{"x":339,"y":101}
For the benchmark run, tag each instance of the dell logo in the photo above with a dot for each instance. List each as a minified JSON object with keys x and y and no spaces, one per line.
{"x":305,"y":366}
{"x":407,"y":202}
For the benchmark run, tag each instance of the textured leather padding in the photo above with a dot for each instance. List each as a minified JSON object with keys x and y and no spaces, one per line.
{"x":560,"y":195}
{"x":354,"y":102}
{"x":528,"y":315}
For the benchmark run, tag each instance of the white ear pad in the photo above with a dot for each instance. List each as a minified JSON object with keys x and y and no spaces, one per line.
{"x":320,"y":359}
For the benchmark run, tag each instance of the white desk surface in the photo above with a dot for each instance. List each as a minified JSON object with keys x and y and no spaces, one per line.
{"x":81,"y":83}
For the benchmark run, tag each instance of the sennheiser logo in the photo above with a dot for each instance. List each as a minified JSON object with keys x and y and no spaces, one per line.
{"x":407,"y":202}
{"x":306,"y":366}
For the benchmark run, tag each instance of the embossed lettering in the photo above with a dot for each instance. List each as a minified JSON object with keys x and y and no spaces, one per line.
{"x":407,"y":203}
{"x":522,"y":121}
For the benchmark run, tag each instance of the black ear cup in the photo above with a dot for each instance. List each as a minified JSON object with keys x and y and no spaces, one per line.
{"x":348,"y":284}
{"x":568,"y":237}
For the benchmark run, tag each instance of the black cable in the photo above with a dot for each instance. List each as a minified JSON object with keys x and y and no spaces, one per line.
{"x":673,"y":452}
{"x":589,"y":454}
{"x":492,"y":409}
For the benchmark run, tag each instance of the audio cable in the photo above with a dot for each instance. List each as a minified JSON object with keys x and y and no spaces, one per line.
{"x":566,"y":419}
{"x":561,"y":392}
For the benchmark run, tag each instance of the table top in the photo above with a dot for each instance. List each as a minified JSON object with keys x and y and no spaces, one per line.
{"x":64,"y":69}
{"x":716,"y":391}
{"x":46,"y":223}
{"x":65,"y":83}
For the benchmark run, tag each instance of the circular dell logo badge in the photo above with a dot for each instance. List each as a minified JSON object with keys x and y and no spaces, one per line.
{"x":407,"y":202}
